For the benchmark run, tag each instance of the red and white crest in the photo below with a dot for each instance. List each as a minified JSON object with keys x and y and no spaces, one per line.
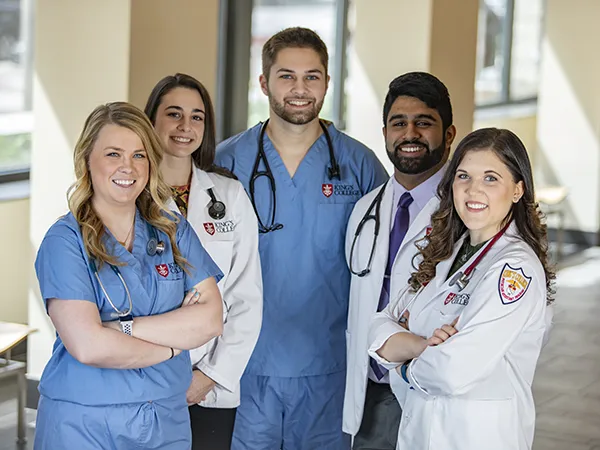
{"x":209,"y":227}
{"x":327,"y":189}
{"x":450,"y":297}
{"x":163,"y":270}
{"x":513,"y":284}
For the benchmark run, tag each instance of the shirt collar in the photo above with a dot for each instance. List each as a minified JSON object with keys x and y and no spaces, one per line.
{"x":423,"y":192}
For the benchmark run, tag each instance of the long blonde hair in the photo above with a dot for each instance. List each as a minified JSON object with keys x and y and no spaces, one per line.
{"x":151,"y":203}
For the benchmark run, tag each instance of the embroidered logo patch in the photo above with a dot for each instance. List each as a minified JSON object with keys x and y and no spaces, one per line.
{"x":457,"y":299}
{"x":428,"y":231}
{"x":513,"y":284}
{"x":327,"y":190}
{"x":209,"y":227}
{"x":163,"y":270}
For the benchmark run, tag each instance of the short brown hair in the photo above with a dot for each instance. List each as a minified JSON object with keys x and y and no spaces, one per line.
{"x":296,"y":37}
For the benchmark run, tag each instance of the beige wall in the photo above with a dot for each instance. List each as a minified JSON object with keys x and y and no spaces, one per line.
{"x":569,"y":109}
{"x":14,"y":271}
{"x":400,"y":36}
{"x":89,"y":53}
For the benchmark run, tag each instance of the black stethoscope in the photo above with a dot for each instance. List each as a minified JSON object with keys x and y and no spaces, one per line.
{"x":375,"y":205}
{"x":217,"y":208}
{"x":153,"y":247}
{"x":333,"y":171}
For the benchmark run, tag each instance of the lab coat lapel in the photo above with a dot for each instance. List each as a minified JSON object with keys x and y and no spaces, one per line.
{"x":199,"y":198}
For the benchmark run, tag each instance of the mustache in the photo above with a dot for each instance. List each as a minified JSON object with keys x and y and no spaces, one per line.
{"x":412,"y":142}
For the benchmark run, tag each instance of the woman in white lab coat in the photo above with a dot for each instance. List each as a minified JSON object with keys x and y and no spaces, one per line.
{"x":220,"y":212}
{"x":467,"y":351}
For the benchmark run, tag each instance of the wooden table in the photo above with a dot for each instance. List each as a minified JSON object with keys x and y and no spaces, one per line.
{"x":12,"y":334}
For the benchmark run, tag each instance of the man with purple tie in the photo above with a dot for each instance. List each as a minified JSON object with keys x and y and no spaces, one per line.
{"x":383,"y":230}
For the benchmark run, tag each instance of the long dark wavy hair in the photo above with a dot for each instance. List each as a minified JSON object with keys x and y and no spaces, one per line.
{"x":204,"y":155}
{"x":447,"y":227}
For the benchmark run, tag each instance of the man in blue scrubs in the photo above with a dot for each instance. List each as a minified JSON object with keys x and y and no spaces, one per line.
{"x":293,"y":388}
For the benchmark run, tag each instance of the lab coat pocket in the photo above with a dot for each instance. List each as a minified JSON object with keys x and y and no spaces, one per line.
{"x":332,"y":219}
{"x":489,"y":424}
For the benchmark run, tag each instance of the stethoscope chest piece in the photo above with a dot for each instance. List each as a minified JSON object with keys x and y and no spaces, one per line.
{"x":154,"y":247}
{"x":460,"y":279}
{"x":217,"y":210}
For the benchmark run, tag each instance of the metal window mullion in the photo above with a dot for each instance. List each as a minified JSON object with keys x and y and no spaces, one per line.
{"x":507,"y":41}
{"x":339,"y":76}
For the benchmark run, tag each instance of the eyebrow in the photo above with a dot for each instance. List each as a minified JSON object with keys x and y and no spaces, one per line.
{"x":112,"y":147}
{"x":179,"y":108}
{"x":416,"y":117}
{"x":284,"y":70}
{"x":487,"y":172}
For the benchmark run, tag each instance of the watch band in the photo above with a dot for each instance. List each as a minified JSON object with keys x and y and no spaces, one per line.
{"x":126,"y":324}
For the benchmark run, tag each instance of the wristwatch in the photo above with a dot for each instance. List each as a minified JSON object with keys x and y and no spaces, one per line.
{"x":126,"y":324}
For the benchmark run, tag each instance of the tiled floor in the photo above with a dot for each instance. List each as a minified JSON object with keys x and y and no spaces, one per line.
{"x":567,"y":384}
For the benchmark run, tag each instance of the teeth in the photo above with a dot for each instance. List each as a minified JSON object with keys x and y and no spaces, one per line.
{"x":124,"y":182}
{"x":411,"y":149}
{"x":183,"y":140}
{"x":297,"y":103}
{"x":476,"y":205}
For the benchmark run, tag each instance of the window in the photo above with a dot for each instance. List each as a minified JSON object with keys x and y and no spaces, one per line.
{"x":508,"y":51}
{"x":271,"y":16}
{"x":15,"y":85}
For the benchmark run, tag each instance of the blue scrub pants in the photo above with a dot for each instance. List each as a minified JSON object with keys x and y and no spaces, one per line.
{"x":302,"y":413}
{"x":161,"y":424}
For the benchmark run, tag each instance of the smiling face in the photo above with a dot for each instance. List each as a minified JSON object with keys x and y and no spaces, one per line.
{"x":484,"y":191}
{"x":118,"y":167}
{"x":296,"y":85}
{"x":414,"y":135}
{"x":180,"y":121}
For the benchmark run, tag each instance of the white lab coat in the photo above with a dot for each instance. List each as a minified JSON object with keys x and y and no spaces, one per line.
{"x":232,"y":242}
{"x":365,"y":291}
{"x":473,"y":391}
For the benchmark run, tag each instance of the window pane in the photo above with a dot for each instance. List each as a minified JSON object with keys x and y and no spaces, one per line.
{"x":271,"y":16}
{"x":490,"y":53}
{"x":526,"y":51}
{"x":15,"y":118}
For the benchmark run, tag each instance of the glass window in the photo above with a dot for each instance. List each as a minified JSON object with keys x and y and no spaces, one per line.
{"x":491,"y":56}
{"x":15,"y":85}
{"x":508,"y":50}
{"x":526,"y":49}
{"x":271,"y":16}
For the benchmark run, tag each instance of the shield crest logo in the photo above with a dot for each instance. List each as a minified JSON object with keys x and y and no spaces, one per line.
{"x":513,"y":284}
{"x":163,"y":270}
{"x":209,"y":227}
{"x":327,"y":190}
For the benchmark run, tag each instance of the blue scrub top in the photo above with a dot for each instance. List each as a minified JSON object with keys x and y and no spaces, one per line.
{"x":306,"y":280}
{"x":157,"y":285}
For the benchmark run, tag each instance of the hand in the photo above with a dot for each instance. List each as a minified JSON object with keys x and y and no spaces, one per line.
{"x":440,"y":335}
{"x":404,"y":320}
{"x":201,"y":385}
{"x":191,"y":298}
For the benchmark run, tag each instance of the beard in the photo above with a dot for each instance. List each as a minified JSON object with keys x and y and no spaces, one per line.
{"x":414,"y":165}
{"x":296,"y":117}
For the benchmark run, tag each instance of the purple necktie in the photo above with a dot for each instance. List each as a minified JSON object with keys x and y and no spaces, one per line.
{"x":397,"y":234}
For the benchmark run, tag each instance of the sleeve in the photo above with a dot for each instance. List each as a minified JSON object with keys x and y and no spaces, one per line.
{"x":224,"y":154}
{"x":243,"y":295}
{"x":373,"y":173}
{"x":486,"y":331}
{"x":385,"y":324}
{"x":202,"y":265}
{"x":62,"y":270}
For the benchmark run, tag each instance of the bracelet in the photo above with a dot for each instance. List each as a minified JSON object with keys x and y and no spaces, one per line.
{"x":172,"y":353}
{"x":403,"y":370}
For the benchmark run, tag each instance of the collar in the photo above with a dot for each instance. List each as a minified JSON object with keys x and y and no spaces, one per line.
{"x":423,"y":192}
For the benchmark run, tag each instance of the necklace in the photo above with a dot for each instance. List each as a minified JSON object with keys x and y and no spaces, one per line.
{"x":126,"y":237}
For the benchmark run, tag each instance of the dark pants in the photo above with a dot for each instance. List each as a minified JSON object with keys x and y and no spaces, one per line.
{"x":381,"y":419}
{"x":212,"y":428}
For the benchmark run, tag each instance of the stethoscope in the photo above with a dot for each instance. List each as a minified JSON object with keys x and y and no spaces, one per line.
{"x":460,"y":279}
{"x":153,"y":247}
{"x":217,"y":208}
{"x":375,"y":205}
{"x":333,"y":171}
